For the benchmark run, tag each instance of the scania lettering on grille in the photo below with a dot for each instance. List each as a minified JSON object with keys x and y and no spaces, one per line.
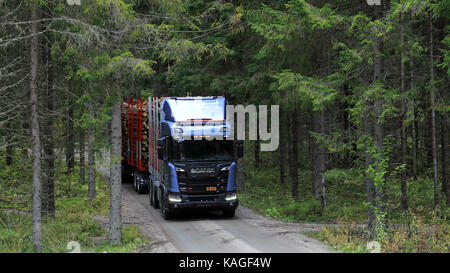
{"x":202,"y":170}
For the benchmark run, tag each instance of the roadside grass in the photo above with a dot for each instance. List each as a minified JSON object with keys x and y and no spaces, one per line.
{"x":16,"y":186}
{"x":346,"y":237}
{"x":420,"y":229}
{"x":265,"y":194}
{"x":132,"y":240}
{"x":73,"y":220}
{"x":420,"y":234}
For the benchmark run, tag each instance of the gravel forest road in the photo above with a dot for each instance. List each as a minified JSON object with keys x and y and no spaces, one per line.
{"x":208,"y":231}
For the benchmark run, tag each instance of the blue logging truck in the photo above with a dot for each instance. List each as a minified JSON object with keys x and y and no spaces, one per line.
{"x":180,"y":150}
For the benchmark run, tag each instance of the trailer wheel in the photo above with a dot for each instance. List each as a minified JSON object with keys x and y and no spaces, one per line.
{"x":134,"y":182}
{"x":229,"y":213}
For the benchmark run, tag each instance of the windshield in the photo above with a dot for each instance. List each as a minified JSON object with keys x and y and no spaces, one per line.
{"x":210,"y":109}
{"x":195,"y":150}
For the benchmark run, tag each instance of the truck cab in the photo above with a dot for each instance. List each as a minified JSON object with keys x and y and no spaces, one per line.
{"x":197,"y":157}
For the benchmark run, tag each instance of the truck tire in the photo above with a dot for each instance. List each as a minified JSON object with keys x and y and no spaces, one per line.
{"x":153,"y":197}
{"x":229,"y":213}
{"x":166,"y":212}
{"x":150,"y":195}
{"x":139,"y":189}
{"x":134,"y":182}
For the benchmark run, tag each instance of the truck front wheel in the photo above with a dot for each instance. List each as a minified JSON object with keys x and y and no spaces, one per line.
{"x":166,"y":212}
{"x":153,"y":197}
{"x":229,"y":213}
{"x":150,"y":195}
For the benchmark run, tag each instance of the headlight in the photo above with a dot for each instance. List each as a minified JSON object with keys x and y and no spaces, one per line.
{"x":231,"y":196}
{"x":174,"y":197}
{"x":227,"y":168}
{"x":178,"y":130}
{"x":180,"y":170}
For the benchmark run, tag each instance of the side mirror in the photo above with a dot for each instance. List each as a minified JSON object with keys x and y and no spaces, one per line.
{"x":160,"y":143}
{"x":240,"y":148}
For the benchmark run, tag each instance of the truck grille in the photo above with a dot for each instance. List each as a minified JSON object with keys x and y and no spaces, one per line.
{"x":198,"y":186}
{"x":203,"y":198}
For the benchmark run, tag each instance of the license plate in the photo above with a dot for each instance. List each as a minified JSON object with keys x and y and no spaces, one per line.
{"x":211,"y":188}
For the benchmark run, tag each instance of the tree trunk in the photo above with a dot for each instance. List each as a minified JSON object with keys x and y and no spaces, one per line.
{"x":256,"y":151}
{"x":91,"y":163}
{"x":240,"y":171}
{"x":374,"y":188}
{"x":318,"y":154}
{"x":413,"y":123}
{"x":115,"y":230}
{"x":240,"y":176}
{"x":350,"y":156}
{"x":426,"y":152}
{"x":403,"y":126}
{"x":48,"y":187}
{"x":293,"y":154}
{"x":70,"y":137}
{"x":403,"y":159}
{"x":433,"y":116}
{"x":378,"y":137}
{"x":283,"y":141}
{"x":9,"y":151}
{"x":9,"y":157}
{"x":36,"y":142}
{"x":370,"y":187}
{"x":82,"y":158}
{"x":444,"y":136}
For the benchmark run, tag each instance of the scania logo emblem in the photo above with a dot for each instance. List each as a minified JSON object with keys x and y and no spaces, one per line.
{"x":202,"y":170}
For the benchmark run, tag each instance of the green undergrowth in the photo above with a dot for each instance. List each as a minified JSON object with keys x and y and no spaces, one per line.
{"x":264,"y":193}
{"x":417,"y":233}
{"x":420,"y":229}
{"x":74,"y":217}
{"x":345,"y":192}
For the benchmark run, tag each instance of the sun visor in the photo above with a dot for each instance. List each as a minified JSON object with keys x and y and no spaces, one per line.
{"x":195,"y":117}
{"x":194,"y":108}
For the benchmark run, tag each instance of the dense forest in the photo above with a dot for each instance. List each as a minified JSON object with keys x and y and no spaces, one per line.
{"x":363,"y":93}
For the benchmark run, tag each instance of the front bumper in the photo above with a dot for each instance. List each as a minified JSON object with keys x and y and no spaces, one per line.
{"x":215,"y":202}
